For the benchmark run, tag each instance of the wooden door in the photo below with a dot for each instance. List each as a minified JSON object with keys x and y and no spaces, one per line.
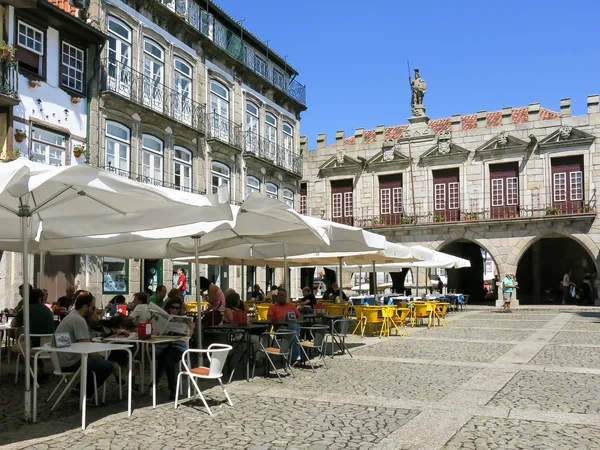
{"x":390,"y":199}
{"x":446,"y":195}
{"x":504,"y":190}
{"x":568,"y":184}
{"x":342,"y":201}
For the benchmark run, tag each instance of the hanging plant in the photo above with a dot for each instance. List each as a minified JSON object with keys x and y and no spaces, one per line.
{"x":34,"y":83}
{"x":75,"y":100}
{"x":7,"y":52}
{"x":20,"y":135}
{"x":78,"y":150}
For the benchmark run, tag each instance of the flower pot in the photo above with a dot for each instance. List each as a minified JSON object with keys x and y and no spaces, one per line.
{"x":19,"y":138}
{"x":77,"y":153}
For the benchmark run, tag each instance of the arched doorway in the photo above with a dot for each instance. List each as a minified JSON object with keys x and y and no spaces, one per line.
{"x":543,"y":265}
{"x":471,"y":280}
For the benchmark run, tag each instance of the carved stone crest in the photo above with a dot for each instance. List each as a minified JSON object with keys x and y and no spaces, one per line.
{"x":340,"y":158}
{"x":444,"y":143}
{"x":388,"y":154}
{"x":564,"y":133}
{"x":502,"y":139}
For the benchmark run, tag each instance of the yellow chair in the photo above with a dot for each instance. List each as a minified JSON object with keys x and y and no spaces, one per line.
{"x":334,"y":309}
{"x":261,"y":312}
{"x":399,"y":317}
{"x":420,"y":312}
{"x":371,"y":315}
{"x":387,"y":314}
{"x":358,"y":310}
{"x":203,"y":306}
{"x":440,"y":312}
{"x":191,"y":306}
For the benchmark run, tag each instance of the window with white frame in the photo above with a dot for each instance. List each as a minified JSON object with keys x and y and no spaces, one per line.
{"x":302,"y":204}
{"x":576,"y":180}
{"x":118,"y":144}
{"x":337,"y":205}
{"x":397,"y":200}
{"x":153,"y":90}
{"x":512,"y":191}
{"x":271,"y":190}
{"x":72,"y":67}
{"x":288,"y":197}
{"x":48,"y":147}
{"x":498,"y":192}
{"x":221,"y":175}
{"x":30,"y":48}
{"x":348,"y":204}
{"x":453,"y":195}
{"x":152,"y":159}
{"x":183,"y":90}
{"x":182,"y":170}
{"x":288,"y":136}
{"x":271,"y":135}
{"x":219,"y":111}
{"x":440,"y":197}
{"x":252,"y":185}
{"x":252,"y":128}
{"x":119,"y":57}
{"x":386,"y":201}
{"x":560,"y":187}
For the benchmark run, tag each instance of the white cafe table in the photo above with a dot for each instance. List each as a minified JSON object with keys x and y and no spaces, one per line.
{"x":84,"y":349}
{"x":152,"y":342}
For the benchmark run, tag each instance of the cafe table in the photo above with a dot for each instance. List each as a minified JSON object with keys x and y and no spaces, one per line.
{"x":84,"y":349}
{"x":152,"y":342}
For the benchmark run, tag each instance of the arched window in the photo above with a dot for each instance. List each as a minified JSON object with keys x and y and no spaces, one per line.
{"x":152,"y":159}
{"x":183,"y":169}
{"x":118,"y":147}
{"x":288,"y":136}
{"x":252,"y":128}
{"x":119,"y":57}
{"x":288,"y":197}
{"x":272,"y":190}
{"x":154,"y":67}
{"x":271,"y":136}
{"x":252,"y":185}
{"x":221,"y":175}
{"x":219,"y":111}
{"x":183,"y":90}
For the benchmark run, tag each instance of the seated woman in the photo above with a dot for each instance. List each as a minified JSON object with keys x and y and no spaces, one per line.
{"x":216,"y":303}
{"x":232,"y":303}
{"x":170,"y":354}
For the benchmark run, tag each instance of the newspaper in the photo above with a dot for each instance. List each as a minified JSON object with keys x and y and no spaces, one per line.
{"x":167,"y":325}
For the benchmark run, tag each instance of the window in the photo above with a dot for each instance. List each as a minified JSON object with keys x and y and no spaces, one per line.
{"x":220,"y":175}
{"x":568,"y":183}
{"x":260,"y":65}
{"x":288,"y":197}
{"x":117,"y":148}
{"x":272,"y":190}
{"x":576,"y":190}
{"x":512,"y":191}
{"x":560,"y":187}
{"x":271,"y":136}
{"x":183,"y":91}
{"x":288,"y":136}
{"x":348,"y":204}
{"x":252,"y":128}
{"x":183,"y":169}
{"x":337,"y":205}
{"x":278,"y":79}
{"x":390,"y":198}
{"x":119,"y":57}
{"x":252,"y":185}
{"x":504,"y":185}
{"x":219,"y":113}
{"x":453,"y":195}
{"x":30,"y":48}
{"x":440,"y":197}
{"x":152,"y":159}
{"x":386,"y":201}
{"x":72,"y":67}
{"x":48,"y":147}
{"x":115,"y":272}
{"x":153,"y":75}
{"x":446,"y":195}
{"x":498,"y":192}
{"x":303,"y":206}
{"x":342,"y":201}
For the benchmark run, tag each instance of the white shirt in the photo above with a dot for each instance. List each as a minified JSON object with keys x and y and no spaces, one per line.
{"x":140,"y":313}
{"x":566,"y":280}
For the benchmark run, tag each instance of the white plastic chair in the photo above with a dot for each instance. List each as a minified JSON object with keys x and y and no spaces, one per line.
{"x":44,"y":339}
{"x":68,"y":378}
{"x":217,"y":355}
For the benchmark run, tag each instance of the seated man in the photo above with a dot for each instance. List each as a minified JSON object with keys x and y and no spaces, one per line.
{"x":41,"y":320}
{"x":158,"y":298}
{"x":280,"y":311}
{"x":75,"y":324}
{"x":308,"y":302}
{"x":67,"y":300}
{"x":333,"y":293}
{"x":140,"y":311}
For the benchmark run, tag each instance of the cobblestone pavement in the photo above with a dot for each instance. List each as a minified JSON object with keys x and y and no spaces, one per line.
{"x":528,"y":380}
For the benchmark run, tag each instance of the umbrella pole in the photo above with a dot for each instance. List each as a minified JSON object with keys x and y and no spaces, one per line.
{"x":341,"y":291}
{"x":244,"y":291}
{"x":374,"y":279}
{"x":359,"y":280}
{"x":286,"y":267}
{"x":25,"y":215}
{"x":198,"y":295}
{"x":42,"y":264}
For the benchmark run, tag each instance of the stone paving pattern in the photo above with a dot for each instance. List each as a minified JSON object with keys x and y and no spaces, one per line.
{"x":528,"y":380}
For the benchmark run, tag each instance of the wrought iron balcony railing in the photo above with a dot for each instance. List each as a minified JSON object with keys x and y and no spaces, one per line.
{"x":150,"y":92}
{"x":224,"y":130}
{"x":9,"y":78}
{"x":408,"y":214}
{"x":269,"y":151}
{"x":148,"y":180}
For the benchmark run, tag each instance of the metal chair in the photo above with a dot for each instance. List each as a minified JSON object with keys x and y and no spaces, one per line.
{"x":318,"y":334}
{"x":339,"y":332}
{"x":280,"y":344}
{"x":217,"y":355}
{"x":44,"y":339}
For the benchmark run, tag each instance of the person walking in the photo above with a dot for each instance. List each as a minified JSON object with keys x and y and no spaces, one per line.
{"x":566,"y":286}
{"x":508,"y":286}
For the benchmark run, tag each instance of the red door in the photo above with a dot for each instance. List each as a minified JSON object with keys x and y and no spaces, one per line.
{"x":302,"y":205}
{"x":390,"y":199}
{"x":504,"y":189}
{"x":342,"y":201}
{"x":567,"y":184}
{"x":446,"y":195}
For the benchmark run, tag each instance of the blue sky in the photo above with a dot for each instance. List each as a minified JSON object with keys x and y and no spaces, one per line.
{"x":474,"y":55}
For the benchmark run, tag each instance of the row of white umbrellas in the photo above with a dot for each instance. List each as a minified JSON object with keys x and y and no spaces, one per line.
{"x":85,"y":210}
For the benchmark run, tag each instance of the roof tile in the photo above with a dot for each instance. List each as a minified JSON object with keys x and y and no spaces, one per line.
{"x":64,"y":5}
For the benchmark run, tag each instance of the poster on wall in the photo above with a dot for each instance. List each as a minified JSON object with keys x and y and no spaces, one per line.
{"x":115,"y":276}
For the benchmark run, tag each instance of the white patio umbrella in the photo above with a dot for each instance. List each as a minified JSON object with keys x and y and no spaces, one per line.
{"x":51,"y":202}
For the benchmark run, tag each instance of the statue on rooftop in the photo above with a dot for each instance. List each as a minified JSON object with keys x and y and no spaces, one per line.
{"x":418,"y":88}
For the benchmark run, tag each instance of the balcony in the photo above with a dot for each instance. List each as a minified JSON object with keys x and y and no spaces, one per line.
{"x":259,"y":147}
{"x":223,"y":134}
{"x":407,"y":215}
{"x":9,"y":83}
{"x":147,"y":180}
{"x":150,"y":93}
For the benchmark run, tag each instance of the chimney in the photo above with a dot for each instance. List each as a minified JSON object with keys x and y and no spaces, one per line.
{"x":339,"y":137}
{"x":507,"y":115}
{"x":534,"y":112}
{"x":380,"y":133}
{"x":481,"y":119}
{"x":321,"y":140}
{"x":592,"y":102}
{"x":565,"y":107}
{"x":303,"y":144}
{"x":359,"y":135}
{"x":455,"y":123}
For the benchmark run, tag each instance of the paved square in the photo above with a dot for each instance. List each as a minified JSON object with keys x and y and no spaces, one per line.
{"x":577,"y":338}
{"x":513,"y":323}
{"x":554,"y":355}
{"x":476,"y":334}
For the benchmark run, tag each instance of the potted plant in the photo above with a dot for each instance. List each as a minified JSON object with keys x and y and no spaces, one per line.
{"x":512,"y":214}
{"x":20,"y":135}
{"x":11,"y":155}
{"x":78,"y":150}
{"x":34,"y":83}
{"x":438,"y":218}
{"x":75,"y":100}
{"x":470,"y":216}
{"x":407,"y":220}
{"x":552,"y":211}
{"x":7,"y":52}
{"x":587,"y":209}
{"x":377,"y":221}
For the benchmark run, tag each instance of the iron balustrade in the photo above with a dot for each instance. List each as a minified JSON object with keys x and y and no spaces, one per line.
{"x":150,"y":92}
{"x":9,"y":78}
{"x":148,"y":180}
{"x":224,"y":130}
{"x":272,"y":152}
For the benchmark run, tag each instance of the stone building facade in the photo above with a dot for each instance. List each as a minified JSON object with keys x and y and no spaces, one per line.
{"x":518,"y":185}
